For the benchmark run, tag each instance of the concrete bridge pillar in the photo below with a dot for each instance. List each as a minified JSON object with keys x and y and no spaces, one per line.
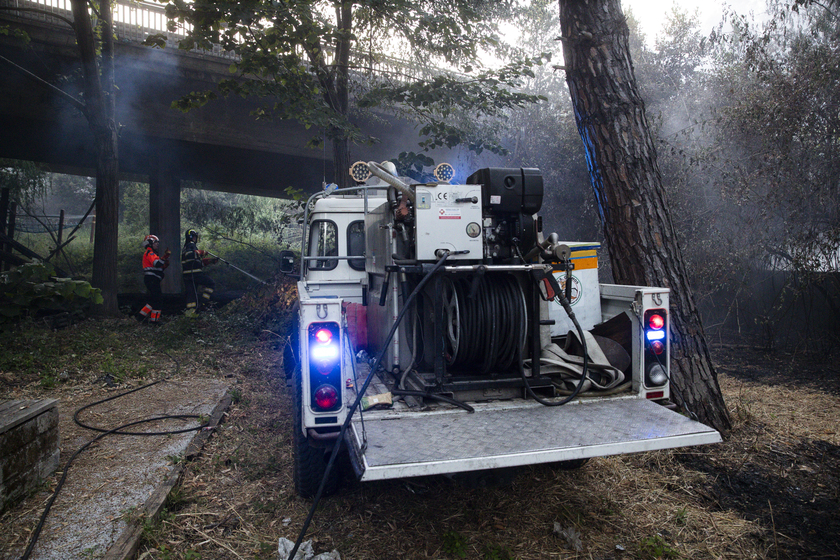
{"x":165,"y":220}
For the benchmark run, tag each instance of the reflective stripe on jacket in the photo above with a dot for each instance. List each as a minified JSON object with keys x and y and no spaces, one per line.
{"x":191,"y":258}
{"x":153,"y":265}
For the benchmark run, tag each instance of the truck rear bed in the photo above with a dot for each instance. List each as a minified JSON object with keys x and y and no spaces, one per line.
{"x":387,"y":444}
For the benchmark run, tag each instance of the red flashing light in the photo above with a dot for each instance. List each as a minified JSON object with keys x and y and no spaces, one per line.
{"x":323,"y":336}
{"x":657,"y":346}
{"x":326,"y":397}
{"x":656,"y":321}
{"x":655,"y":395}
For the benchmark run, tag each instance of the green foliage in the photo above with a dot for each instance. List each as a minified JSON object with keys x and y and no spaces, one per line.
{"x":18,"y":34}
{"x":309,"y":61}
{"x":454,"y":544}
{"x":134,"y":207}
{"x":655,"y":548}
{"x":236,"y":214}
{"x":33,"y":287}
{"x":25,"y":180}
{"x":94,"y":348}
{"x":450,"y":107}
{"x":71,"y":193}
{"x":410,"y":164}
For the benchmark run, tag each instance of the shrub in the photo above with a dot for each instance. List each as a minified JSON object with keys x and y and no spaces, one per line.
{"x":32,"y":288}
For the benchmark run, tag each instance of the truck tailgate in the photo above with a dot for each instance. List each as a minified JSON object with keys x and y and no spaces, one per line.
{"x":425,"y":443}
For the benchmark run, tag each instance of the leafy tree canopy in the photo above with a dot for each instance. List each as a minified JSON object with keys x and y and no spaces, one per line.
{"x":324,"y":62}
{"x":25,"y":180}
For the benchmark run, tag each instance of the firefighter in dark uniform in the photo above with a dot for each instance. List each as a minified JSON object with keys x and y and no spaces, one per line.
{"x":198,"y":285}
{"x":153,"y":267}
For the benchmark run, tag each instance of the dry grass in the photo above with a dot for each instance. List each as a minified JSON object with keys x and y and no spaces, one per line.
{"x":238,"y":498}
{"x":771,"y":491}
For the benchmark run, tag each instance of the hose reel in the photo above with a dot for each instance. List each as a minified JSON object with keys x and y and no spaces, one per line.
{"x":484,"y":318}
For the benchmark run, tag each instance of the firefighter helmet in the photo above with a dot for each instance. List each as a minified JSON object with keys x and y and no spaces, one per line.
{"x":149,"y":240}
{"x":191,"y":235}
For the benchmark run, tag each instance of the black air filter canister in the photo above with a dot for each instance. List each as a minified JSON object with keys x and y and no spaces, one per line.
{"x":532,"y":190}
{"x":509,"y":189}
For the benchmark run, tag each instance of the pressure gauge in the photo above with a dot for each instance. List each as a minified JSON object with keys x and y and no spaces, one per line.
{"x":473,"y":229}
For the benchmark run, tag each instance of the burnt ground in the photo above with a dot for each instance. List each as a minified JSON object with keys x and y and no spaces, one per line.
{"x":785,"y":482}
{"x":770,"y":491}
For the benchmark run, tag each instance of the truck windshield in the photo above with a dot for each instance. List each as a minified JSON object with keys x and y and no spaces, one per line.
{"x":323,"y":242}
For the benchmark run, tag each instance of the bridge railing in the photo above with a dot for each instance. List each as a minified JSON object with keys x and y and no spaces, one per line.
{"x":134,"y":21}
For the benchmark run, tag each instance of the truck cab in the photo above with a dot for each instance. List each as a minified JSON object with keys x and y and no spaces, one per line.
{"x":334,"y":262}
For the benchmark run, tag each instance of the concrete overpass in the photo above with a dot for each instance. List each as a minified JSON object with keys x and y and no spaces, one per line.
{"x":219,"y":145}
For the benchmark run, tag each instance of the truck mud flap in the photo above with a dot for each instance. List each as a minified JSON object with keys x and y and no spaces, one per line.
{"x":393,"y":445}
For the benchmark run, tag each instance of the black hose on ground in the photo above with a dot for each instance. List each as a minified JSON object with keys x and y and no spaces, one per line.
{"x":359,"y":394}
{"x":118,"y":430}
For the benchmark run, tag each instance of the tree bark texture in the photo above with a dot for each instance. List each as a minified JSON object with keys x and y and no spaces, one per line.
{"x":631,"y":199}
{"x":101,"y":115}
{"x":335,"y":79}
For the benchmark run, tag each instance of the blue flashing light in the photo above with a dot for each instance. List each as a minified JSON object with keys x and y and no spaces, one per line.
{"x":325,"y":353}
{"x":655,"y":335}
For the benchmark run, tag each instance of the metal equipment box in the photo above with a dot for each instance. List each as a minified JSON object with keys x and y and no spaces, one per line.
{"x":449,"y":217}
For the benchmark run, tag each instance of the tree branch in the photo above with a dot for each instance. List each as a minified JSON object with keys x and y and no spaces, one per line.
{"x":217,"y":234}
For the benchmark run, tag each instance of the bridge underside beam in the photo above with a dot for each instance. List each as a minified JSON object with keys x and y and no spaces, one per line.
{"x":225,"y":168}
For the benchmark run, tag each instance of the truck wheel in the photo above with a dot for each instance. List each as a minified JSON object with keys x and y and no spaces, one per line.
{"x":291,"y":348}
{"x":310,"y":463}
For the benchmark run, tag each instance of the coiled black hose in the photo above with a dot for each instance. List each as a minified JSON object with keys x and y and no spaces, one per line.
{"x":33,"y":539}
{"x":489,"y":325}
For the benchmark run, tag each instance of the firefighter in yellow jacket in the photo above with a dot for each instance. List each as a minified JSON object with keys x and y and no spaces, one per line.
{"x":153,"y":267}
{"x":196,"y":283}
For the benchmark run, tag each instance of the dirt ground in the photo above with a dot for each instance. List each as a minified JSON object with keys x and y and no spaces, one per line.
{"x":116,"y":475}
{"x":770,"y":491}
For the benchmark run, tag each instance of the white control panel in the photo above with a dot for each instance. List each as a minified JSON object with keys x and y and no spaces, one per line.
{"x":449,"y":217}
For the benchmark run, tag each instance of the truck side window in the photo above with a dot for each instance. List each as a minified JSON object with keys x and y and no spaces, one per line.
{"x":323,"y":242}
{"x":356,"y":243}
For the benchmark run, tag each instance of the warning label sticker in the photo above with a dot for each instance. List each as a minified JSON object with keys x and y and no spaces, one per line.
{"x":449,"y":214}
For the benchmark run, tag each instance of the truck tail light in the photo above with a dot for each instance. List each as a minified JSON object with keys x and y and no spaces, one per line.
{"x":656,"y":347}
{"x":325,"y":366}
{"x":656,"y":321}
{"x":326,"y":397}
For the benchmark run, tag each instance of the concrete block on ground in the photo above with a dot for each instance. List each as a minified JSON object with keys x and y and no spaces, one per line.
{"x":29,"y":450}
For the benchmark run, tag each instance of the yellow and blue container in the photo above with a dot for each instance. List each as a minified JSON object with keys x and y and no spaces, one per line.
{"x":586,"y":295}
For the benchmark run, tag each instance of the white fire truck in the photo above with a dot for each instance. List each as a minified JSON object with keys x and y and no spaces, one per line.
{"x":439,"y":331}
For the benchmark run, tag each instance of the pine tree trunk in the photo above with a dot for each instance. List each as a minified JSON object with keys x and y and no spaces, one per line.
{"x":625,"y":176}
